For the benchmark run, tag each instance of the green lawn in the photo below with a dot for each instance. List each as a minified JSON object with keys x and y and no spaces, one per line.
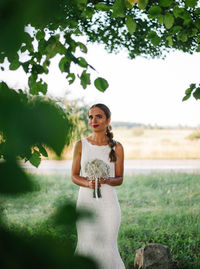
{"x":162,"y":208}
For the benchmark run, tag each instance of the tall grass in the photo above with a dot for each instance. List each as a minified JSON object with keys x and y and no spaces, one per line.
{"x":161,"y":208}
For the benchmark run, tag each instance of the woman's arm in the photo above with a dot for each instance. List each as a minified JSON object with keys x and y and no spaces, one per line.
{"x":76,"y":167}
{"x":119,"y":167}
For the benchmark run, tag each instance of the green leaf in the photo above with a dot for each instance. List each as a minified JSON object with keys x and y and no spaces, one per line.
{"x":37,"y":87}
{"x":160,"y":19}
{"x":64,"y":65}
{"x":188,"y":92}
{"x":65,"y":215}
{"x":42,"y":86}
{"x":85,"y":79}
{"x":166,"y":3}
{"x":42,"y":150}
{"x":82,"y":62}
{"x":102,"y":7}
{"x":88,"y":13}
{"x":155,"y":39}
{"x":101,"y":84}
{"x":190,"y":89}
{"x":168,"y":20}
{"x":40,"y":35}
{"x":13,"y":180}
{"x":154,"y":11}
{"x":35,"y":158}
{"x":192,"y":32}
{"x":142,"y":4}
{"x":25,"y":66}
{"x":192,"y":86}
{"x":191,"y":3}
{"x":45,"y":66}
{"x":23,"y":49}
{"x":14,"y":65}
{"x":197,"y":11}
{"x":170,"y":40}
{"x":198,"y":39}
{"x":196,"y":94}
{"x":13,"y":57}
{"x":186,"y":97}
{"x":198,"y":48}
{"x":176,"y":29}
{"x":81,"y":4}
{"x":38,"y":69}
{"x":2,"y":57}
{"x":183,"y":14}
{"x":182,"y":36}
{"x":131,"y":24}
{"x":32,"y":80}
{"x":178,"y":12}
{"x":197,"y":23}
{"x":49,"y":124}
{"x":71,"y":78}
{"x":82,"y":47}
{"x":128,"y":4}
{"x":118,"y":9}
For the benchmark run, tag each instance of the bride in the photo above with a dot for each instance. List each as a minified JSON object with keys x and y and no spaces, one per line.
{"x":97,"y":237}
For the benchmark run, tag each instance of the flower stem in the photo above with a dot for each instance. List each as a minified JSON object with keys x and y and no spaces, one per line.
{"x":98,"y":193}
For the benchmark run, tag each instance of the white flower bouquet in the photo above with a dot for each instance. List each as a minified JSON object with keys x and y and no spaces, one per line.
{"x":97,"y":169}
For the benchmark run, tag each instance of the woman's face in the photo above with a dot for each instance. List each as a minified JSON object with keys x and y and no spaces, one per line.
{"x":97,"y":119}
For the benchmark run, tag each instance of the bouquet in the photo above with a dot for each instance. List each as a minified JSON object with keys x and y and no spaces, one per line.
{"x":97,"y":169}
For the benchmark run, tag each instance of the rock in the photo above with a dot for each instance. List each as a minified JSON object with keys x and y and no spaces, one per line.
{"x":153,"y":256}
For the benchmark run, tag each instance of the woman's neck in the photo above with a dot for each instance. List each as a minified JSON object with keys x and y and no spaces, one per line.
{"x":99,"y":138}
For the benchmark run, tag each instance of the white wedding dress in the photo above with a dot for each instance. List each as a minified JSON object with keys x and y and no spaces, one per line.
{"x":97,"y":237}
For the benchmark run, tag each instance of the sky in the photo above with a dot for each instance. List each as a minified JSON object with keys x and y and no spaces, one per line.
{"x":147,"y":91}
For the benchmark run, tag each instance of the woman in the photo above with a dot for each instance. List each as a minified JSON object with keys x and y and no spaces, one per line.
{"x":97,"y":237}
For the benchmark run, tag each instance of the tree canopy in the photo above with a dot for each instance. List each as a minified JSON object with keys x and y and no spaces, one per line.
{"x":148,"y":28}
{"x":31,"y":34}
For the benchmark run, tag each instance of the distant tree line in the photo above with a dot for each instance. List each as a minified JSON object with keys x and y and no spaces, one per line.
{"x":129,"y":125}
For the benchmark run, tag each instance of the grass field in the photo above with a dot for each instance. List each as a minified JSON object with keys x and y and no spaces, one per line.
{"x":161,"y":208}
{"x":140,"y":143}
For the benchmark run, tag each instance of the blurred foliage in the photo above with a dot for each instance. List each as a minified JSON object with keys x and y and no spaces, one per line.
{"x":32,"y":33}
{"x":79,"y":111}
{"x":194,"y":135}
{"x":20,"y":249}
{"x":27,"y":123}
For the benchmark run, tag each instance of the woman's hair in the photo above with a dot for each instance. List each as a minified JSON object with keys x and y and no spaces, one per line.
{"x":112,"y":143}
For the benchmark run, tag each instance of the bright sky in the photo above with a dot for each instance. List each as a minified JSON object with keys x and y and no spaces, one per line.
{"x":140,"y":90}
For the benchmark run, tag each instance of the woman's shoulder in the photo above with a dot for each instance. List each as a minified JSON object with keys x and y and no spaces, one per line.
{"x":78,"y":145}
{"x":119,"y":146}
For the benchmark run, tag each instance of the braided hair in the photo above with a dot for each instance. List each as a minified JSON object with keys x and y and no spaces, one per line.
{"x":112,"y":143}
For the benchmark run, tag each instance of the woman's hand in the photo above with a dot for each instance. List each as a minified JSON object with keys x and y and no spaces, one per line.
{"x":91,"y":184}
{"x":102,"y":181}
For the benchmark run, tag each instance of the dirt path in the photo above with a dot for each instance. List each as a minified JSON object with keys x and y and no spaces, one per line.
{"x":131,"y":166}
